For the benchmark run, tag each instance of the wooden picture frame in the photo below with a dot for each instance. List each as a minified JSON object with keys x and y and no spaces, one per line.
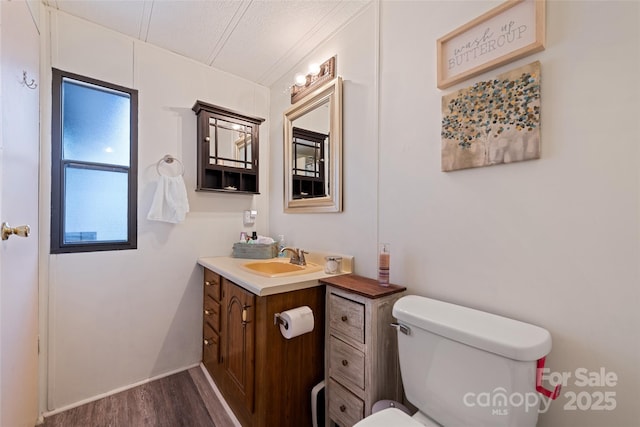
{"x":510,"y":31}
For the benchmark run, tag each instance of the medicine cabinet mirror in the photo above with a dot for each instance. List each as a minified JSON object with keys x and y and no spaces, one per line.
{"x":313,"y":151}
{"x":228,"y":149}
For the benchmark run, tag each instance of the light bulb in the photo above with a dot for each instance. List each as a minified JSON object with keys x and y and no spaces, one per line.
{"x":314,"y":69}
{"x":300,"y":79}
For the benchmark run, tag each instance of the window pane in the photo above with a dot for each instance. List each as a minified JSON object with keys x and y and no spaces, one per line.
{"x":95,"y":124}
{"x":95,"y":205}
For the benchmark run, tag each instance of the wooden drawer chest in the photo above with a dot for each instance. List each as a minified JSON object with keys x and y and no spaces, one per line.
{"x":361,"y":360}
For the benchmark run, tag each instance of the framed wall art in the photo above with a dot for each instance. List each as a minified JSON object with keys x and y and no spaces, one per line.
{"x":508,"y":32}
{"x":494,"y":121}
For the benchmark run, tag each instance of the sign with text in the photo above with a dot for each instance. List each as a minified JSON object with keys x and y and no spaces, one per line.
{"x":508,"y":32}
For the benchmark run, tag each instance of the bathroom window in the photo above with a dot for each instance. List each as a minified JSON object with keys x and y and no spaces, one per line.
{"x":94,"y":133}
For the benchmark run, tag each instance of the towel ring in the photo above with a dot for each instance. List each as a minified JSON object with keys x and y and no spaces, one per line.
{"x":168,"y":159}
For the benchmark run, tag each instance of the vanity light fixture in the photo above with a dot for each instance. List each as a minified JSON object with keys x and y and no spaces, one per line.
{"x":318,"y":74}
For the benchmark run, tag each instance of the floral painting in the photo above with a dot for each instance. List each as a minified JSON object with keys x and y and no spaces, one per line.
{"x":492,"y":122}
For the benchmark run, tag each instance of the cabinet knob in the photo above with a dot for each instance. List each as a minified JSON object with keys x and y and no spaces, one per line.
{"x":344,"y":318}
{"x":345,"y":362}
{"x":207,"y":283}
{"x":207,"y":342}
{"x":207,"y":312}
{"x":206,"y":138}
{"x":343,"y":408}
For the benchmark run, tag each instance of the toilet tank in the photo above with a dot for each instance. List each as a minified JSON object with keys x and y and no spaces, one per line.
{"x":462,"y":366}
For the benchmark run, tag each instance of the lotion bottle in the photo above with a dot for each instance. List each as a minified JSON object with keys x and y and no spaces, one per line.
{"x":384,"y":258}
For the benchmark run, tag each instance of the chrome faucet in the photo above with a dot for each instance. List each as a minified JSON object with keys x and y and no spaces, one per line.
{"x":297,"y":255}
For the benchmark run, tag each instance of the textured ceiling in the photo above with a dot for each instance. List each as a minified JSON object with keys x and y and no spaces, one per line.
{"x":259,"y":40}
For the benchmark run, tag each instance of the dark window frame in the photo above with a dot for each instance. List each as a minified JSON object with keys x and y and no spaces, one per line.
{"x":58,"y":164}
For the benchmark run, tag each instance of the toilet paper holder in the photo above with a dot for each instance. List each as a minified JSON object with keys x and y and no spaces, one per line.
{"x":278,"y":320}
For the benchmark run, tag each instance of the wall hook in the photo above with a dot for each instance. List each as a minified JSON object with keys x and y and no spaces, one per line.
{"x":32,"y":84}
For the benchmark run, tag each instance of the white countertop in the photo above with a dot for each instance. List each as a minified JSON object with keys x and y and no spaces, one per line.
{"x":230,"y":268}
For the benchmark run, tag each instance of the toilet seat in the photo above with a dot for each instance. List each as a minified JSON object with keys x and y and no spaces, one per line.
{"x":391,"y":417}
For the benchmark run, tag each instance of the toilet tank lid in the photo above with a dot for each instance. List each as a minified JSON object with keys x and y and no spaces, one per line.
{"x":489,"y":332}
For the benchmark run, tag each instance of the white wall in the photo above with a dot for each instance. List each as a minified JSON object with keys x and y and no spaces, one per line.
{"x":348,"y":232}
{"x":116,"y":318}
{"x":554,"y":242}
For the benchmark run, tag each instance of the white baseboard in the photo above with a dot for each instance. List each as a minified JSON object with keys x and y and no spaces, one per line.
{"x":226,"y":407}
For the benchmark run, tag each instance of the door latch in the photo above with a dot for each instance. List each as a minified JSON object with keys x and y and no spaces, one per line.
{"x":21,"y":230}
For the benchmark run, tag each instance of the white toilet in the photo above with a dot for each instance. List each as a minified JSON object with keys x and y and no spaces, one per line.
{"x":464,"y":367}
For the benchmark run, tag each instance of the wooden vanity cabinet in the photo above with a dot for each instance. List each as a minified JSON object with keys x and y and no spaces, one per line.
{"x":361,"y":348}
{"x":265,"y":378}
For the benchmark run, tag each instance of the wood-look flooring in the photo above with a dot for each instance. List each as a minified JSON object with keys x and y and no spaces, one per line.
{"x":182,"y":399}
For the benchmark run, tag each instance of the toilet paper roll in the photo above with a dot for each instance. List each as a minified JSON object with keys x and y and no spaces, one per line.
{"x":298,"y":321}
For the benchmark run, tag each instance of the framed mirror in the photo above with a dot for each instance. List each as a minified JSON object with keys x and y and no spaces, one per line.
{"x":313,"y":151}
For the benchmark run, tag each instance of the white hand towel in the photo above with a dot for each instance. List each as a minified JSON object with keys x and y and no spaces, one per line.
{"x":170,"y":203}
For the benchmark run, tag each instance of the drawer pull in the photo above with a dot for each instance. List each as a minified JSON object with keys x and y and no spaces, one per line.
{"x":345,"y":362}
{"x":343,"y":408}
{"x":207,"y":283}
{"x":207,"y":312}
{"x":344,"y":318}
{"x":244,"y":314}
{"x":207,"y":342}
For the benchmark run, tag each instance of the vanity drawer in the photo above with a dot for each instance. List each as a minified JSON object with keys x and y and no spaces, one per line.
{"x":211,"y":314}
{"x":346,"y":318}
{"x":210,"y":346}
{"x":345,"y":409}
{"x":346,"y":364}
{"x":212,"y":284}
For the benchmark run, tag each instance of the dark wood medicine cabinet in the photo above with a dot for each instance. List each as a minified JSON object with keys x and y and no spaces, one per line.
{"x":228,"y":150}
{"x":309,"y":167}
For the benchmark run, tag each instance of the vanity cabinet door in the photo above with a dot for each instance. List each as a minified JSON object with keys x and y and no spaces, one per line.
{"x":238,"y":334}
